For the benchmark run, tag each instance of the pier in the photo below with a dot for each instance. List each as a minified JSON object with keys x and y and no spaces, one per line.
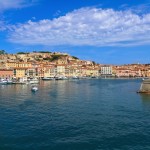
{"x":145,"y":86}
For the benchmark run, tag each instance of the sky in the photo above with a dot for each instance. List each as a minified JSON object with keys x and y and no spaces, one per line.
{"x":104,"y":31}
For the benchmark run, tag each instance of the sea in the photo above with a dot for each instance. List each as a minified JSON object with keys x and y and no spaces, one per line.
{"x":84,"y":114}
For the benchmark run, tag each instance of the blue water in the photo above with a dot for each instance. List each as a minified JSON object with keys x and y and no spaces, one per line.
{"x":98,"y":114}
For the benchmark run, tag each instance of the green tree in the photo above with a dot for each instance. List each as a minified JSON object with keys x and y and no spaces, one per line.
{"x":55,"y":57}
{"x":2,"y":52}
{"x":94,"y":63}
{"x":75,"y":57}
{"x":21,"y":53}
{"x":44,"y":52}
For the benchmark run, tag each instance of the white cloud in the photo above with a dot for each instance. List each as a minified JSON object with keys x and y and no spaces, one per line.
{"x":86,"y":26}
{"x":13,"y":4}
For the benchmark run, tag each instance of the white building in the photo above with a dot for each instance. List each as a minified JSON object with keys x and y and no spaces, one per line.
{"x":106,"y":70}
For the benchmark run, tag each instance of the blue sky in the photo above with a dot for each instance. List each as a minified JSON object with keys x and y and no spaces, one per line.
{"x":105,"y":31}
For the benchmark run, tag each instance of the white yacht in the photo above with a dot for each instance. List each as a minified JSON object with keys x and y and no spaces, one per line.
{"x":9,"y":81}
{"x":75,"y":77}
{"x":34,"y":81}
{"x":3,"y":81}
{"x":61,"y":78}
{"x":47,"y":78}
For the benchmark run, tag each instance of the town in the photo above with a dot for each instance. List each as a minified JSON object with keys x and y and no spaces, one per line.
{"x":44,"y":64}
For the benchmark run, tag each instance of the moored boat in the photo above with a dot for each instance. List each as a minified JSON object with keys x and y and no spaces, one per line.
{"x":75,"y":77}
{"x":34,"y":81}
{"x":3,"y":81}
{"x":61,"y":78}
{"x":47,"y":78}
{"x":9,"y":81}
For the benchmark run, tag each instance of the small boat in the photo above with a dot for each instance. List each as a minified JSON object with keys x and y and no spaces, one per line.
{"x":34,"y":89}
{"x":61,"y":78}
{"x":3,"y":81}
{"x":9,"y":81}
{"x":34,"y":81}
{"x":93,"y":77}
{"x":47,"y":78}
{"x":19,"y":82}
{"x":75,"y":77}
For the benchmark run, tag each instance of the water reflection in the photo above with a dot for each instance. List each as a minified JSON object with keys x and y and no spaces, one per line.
{"x":74,"y":114}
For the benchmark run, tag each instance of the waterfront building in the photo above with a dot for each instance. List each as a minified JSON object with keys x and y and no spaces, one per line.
{"x":145,"y":72}
{"x":46,"y":71}
{"x":123,"y":72}
{"x":19,"y":72}
{"x":49,"y":71}
{"x":52,"y":71}
{"x":148,"y":73}
{"x":60,"y":70}
{"x":40,"y":64}
{"x":40,"y":72}
{"x":92,"y":72}
{"x":83,"y":71}
{"x":71,"y":71}
{"x":67,"y":70}
{"x":128,"y":71}
{"x":32,"y":72}
{"x":6,"y":73}
{"x":106,"y":70}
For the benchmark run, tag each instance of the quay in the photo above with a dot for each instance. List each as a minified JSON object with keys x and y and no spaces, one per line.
{"x":145,"y":86}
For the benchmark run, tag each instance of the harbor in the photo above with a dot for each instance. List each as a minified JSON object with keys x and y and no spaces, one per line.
{"x":74,"y":75}
{"x":93,"y":112}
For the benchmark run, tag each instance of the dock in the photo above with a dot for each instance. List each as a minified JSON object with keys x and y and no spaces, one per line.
{"x":145,"y":87}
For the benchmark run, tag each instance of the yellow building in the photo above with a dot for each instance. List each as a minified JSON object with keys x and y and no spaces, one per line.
{"x":92,"y":72}
{"x":23,"y":64}
{"x":60,"y":70}
{"x":10,"y":64}
{"x":19,"y":72}
{"x":46,"y":72}
{"x":73,"y":71}
{"x":17,"y":64}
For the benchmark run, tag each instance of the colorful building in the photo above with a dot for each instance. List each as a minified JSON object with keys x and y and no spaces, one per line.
{"x":6,"y":73}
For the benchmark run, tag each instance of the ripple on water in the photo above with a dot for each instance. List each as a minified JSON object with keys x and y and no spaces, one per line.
{"x":82,"y":114}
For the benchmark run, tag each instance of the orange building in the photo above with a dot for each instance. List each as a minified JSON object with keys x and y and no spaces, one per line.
{"x":6,"y":73}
